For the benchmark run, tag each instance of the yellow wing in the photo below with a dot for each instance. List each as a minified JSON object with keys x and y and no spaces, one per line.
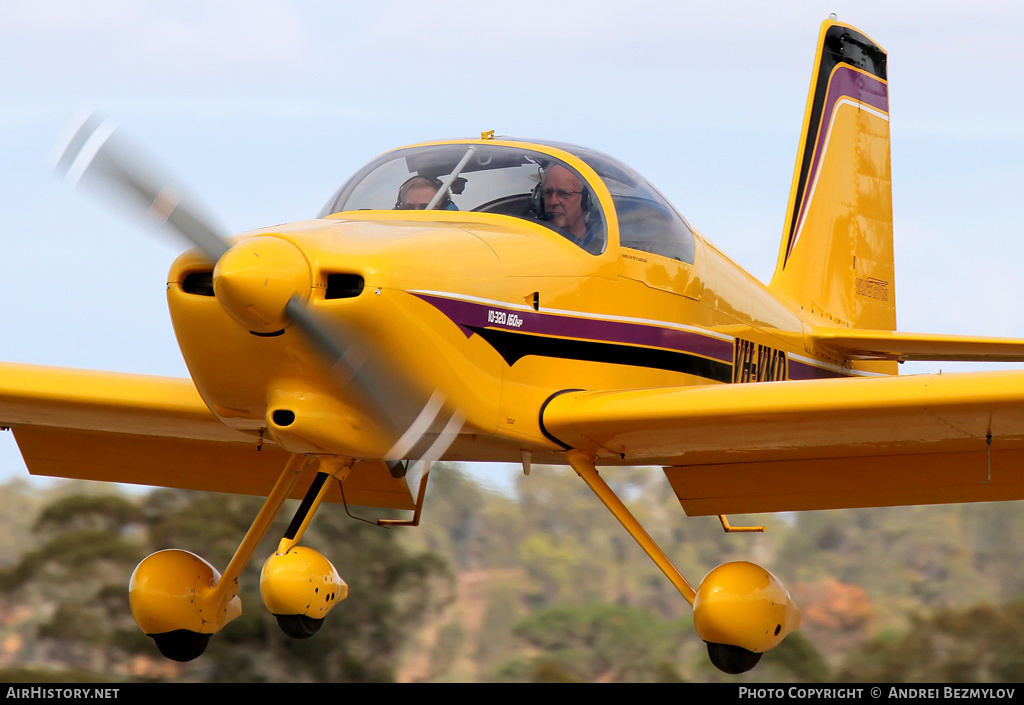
{"x":157,"y":431}
{"x":820,"y":444}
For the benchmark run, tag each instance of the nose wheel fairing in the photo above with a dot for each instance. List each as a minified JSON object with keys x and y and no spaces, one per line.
{"x":298,"y":585}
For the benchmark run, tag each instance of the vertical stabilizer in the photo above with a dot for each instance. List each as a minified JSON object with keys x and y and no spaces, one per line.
{"x":836,"y":258}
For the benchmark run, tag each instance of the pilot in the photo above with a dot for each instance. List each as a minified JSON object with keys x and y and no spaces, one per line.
{"x":566,"y":205}
{"x":415,"y":195}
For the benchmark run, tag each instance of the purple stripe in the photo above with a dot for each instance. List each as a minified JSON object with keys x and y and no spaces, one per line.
{"x":803,"y":370}
{"x":844,"y":83}
{"x":467,"y":314}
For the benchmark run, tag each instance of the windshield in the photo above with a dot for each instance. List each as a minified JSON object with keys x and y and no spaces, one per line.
{"x":480,"y":178}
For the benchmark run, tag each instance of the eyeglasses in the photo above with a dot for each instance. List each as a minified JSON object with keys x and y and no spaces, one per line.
{"x":413,"y":206}
{"x":562,"y":193}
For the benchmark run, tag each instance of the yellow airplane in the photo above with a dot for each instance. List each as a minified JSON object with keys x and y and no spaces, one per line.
{"x":494,"y":299}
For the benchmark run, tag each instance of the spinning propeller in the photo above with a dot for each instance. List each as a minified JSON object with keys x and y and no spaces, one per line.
{"x":264,"y":283}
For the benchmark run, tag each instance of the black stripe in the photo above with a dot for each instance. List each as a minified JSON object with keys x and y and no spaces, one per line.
{"x":540,"y":417}
{"x":307,"y":502}
{"x":515,"y":346}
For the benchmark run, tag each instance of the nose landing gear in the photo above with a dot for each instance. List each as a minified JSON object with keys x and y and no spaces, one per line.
{"x":298,"y":585}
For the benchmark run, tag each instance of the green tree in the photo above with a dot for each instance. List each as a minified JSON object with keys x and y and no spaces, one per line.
{"x":976,"y":644}
{"x":598,"y":642}
{"x":89,"y":545}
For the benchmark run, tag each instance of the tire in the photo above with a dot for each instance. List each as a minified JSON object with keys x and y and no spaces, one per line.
{"x":732,"y":659}
{"x":298,"y":626}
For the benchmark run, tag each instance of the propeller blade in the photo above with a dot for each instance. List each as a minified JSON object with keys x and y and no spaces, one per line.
{"x":97,"y":155}
{"x":345,"y":360}
{"x":420,"y":420}
{"x":351,"y":368}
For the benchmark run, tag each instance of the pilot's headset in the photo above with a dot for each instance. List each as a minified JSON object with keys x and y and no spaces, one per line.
{"x":418,"y":180}
{"x":537,"y":196}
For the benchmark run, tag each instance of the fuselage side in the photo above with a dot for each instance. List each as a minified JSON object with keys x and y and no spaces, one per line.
{"x":494,"y":313}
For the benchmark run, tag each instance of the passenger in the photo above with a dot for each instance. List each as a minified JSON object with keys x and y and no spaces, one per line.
{"x":567,"y":205}
{"x":415,"y":195}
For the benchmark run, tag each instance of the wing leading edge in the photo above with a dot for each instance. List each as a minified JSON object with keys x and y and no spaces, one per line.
{"x":818,"y":444}
{"x":157,"y":431}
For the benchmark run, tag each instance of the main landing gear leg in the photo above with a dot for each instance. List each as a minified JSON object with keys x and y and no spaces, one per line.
{"x":261,"y":524}
{"x":584,"y":467}
{"x":740,"y":609}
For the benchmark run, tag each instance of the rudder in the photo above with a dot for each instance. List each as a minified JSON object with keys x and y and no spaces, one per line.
{"x":836,"y":256}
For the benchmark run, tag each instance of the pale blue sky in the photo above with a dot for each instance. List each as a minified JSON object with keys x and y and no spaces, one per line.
{"x":265,"y":107}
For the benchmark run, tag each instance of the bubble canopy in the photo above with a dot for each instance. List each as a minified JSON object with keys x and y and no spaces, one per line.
{"x":510,"y":180}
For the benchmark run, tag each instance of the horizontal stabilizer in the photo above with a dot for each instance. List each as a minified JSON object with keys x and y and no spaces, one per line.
{"x":858,"y":344}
